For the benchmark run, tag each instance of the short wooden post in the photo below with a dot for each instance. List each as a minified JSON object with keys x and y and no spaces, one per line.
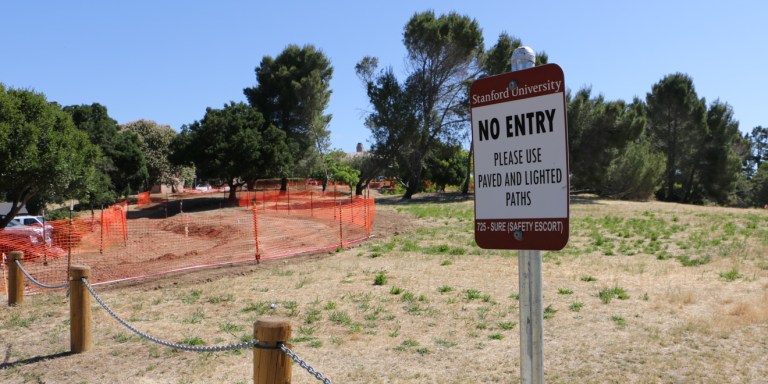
{"x":80,"y":324}
{"x":271,"y":366}
{"x":15,"y":279}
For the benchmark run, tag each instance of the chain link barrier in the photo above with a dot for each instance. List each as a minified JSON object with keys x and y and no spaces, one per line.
{"x":304,"y":365}
{"x":217,"y":348}
{"x":39,"y":284}
{"x":184,"y":347}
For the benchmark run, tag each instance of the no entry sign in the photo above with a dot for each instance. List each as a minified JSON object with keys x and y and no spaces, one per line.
{"x":521,"y":159}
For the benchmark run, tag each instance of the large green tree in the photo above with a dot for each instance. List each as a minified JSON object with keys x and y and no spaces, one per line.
{"x":155,"y":141}
{"x":759,"y":187}
{"x":598,"y":131}
{"x":123,"y":163}
{"x":234,"y":144}
{"x":42,"y":154}
{"x":292,"y":93}
{"x":442,"y":56}
{"x":759,"y":140}
{"x":719,"y":168}
{"x":678,"y":126}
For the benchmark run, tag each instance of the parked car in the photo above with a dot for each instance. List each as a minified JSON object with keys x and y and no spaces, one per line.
{"x":35,"y":221}
{"x":28,"y":234}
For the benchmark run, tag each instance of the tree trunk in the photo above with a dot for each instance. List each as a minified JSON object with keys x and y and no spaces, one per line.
{"x":283,"y":184}
{"x":465,"y":186}
{"x":16,"y":205}
{"x":232,"y":190}
{"x":671,"y":162}
{"x":362,"y":184}
{"x":413,"y":186}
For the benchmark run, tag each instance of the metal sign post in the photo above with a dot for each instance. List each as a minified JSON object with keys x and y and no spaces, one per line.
{"x":521,"y":181}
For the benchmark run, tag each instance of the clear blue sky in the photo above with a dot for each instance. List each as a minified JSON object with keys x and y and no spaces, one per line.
{"x":167,"y":61}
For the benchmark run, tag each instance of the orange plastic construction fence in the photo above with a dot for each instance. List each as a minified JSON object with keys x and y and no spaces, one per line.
{"x":183,"y":232}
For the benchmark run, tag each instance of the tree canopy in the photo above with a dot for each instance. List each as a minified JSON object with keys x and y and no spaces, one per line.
{"x":292,"y":93}
{"x":234,"y":144}
{"x":410,"y":119}
{"x":155,"y":141}
{"x":42,"y":154}
{"x":123,"y":166}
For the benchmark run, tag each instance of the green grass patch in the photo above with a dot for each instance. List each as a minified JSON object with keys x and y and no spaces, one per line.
{"x":471,"y":294}
{"x":731,"y":275}
{"x":549,"y":312}
{"x":619,"y":321}
{"x":507,"y":325}
{"x":608,"y":294}
{"x":445,"y":289}
{"x":380,"y":278}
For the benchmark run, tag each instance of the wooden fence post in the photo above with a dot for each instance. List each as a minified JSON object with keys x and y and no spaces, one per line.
{"x":271,"y":366}
{"x":15,"y":279}
{"x":80,"y":324}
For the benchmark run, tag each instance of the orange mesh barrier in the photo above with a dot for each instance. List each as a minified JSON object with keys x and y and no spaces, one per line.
{"x":143,"y":199}
{"x":187,"y":232}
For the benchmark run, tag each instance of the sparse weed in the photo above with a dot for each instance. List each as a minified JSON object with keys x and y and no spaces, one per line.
{"x":588,"y":278}
{"x":380,"y":278}
{"x":471,"y":294}
{"x":507,"y":325}
{"x":340,"y":318}
{"x":576,"y":306}
{"x":191,"y":297}
{"x":220,"y":299}
{"x":549,"y":312}
{"x":607,"y":294}
{"x":496,"y":336}
{"x":619,"y":321}
{"x":731,"y":275}
{"x":564,"y":291}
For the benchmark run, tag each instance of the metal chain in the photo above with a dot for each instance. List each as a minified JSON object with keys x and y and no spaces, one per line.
{"x":304,"y":365}
{"x":39,"y":284}
{"x":217,"y":348}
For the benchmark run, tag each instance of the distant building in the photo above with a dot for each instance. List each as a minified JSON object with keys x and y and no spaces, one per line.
{"x":359,"y":152}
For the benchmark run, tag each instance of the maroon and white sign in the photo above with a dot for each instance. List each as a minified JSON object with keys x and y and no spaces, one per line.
{"x":521,"y":159}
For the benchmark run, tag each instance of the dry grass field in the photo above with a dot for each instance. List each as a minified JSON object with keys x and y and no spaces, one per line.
{"x":643,"y":293}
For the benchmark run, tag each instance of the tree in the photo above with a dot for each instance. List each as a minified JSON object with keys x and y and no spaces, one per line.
{"x":759,"y":139}
{"x":759,"y":186}
{"x":130,"y":167}
{"x":155,"y":141}
{"x":720,"y":165}
{"x":635,"y":173}
{"x":341,"y":169}
{"x":598,"y":131}
{"x":442,"y":56}
{"x":292,"y":92}
{"x":123,"y":165}
{"x":446,"y":166}
{"x":495,"y":61}
{"x":678,"y":127}
{"x":42,"y":154}
{"x":234,"y":144}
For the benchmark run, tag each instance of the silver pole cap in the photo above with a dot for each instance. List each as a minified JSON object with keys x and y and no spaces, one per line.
{"x":523,"y":58}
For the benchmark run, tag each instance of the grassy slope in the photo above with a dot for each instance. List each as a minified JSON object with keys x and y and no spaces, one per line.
{"x":643,"y":293}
